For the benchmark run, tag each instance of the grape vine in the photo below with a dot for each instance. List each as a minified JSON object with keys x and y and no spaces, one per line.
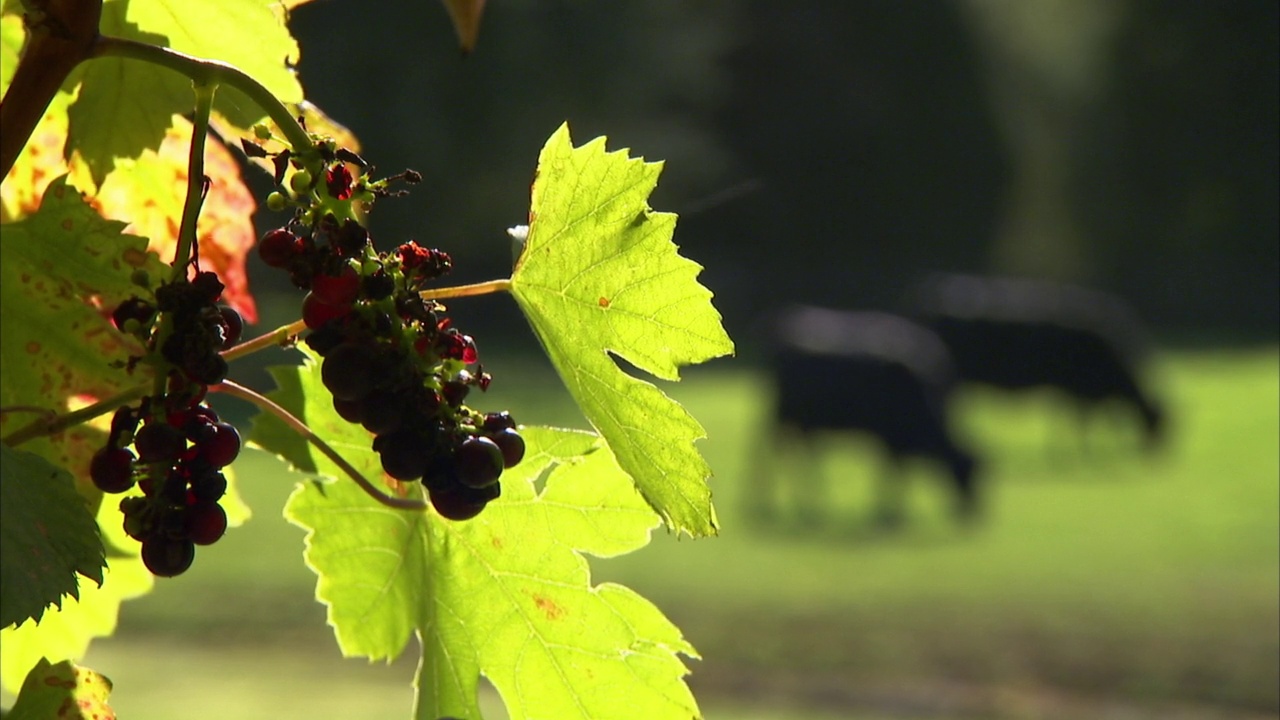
{"x":126,"y":434}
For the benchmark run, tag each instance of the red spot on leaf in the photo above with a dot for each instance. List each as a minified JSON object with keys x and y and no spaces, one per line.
{"x":60,"y":682}
{"x":135,"y":257}
{"x":68,"y":225}
{"x":604,"y":302}
{"x":548,"y":606}
{"x":33,"y":347}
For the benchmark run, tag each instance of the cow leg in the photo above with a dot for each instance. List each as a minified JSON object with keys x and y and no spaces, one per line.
{"x":808,"y":482}
{"x":890,"y":502}
{"x":761,"y":501}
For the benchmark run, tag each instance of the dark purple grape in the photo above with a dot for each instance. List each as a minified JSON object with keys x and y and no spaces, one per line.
{"x":196,"y":422}
{"x":206,"y":369}
{"x":205,"y":522}
{"x":159,"y":442}
{"x":233,"y":326}
{"x":383,"y":412}
{"x":512,"y":446}
{"x":111,"y":469}
{"x":209,"y":486}
{"x":347,"y":371}
{"x":220,"y":445}
{"x":350,"y":410}
{"x":459,"y":502}
{"x":325,"y":338}
{"x":403,"y":455}
{"x":479,"y":462}
{"x":166,"y":557}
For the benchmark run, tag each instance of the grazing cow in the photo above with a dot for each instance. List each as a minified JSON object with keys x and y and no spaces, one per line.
{"x":870,"y":372}
{"x":1017,"y":334}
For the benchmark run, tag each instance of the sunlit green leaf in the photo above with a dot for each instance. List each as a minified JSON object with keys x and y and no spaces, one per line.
{"x":599,"y":275}
{"x":506,"y":595}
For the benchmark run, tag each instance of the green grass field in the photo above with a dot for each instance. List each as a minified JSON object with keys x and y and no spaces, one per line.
{"x":1101,"y":583}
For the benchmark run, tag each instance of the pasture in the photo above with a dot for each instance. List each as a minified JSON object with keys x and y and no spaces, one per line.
{"x":1100,"y":583}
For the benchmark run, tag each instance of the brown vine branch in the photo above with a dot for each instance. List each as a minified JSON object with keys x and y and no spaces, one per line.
{"x":264,"y":403}
{"x":62,"y":34}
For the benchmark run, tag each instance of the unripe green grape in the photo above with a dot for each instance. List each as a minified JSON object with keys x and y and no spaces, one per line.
{"x":300,"y":182}
{"x":262,"y":132}
{"x":276,"y":201}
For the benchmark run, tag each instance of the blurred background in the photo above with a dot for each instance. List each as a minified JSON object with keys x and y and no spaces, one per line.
{"x":833,"y":153}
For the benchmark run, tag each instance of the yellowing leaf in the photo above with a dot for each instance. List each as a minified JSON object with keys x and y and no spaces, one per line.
{"x":465,"y":15}
{"x":62,"y":691}
{"x":39,"y":163}
{"x":148,"y":193}
{"x":599,"y":275}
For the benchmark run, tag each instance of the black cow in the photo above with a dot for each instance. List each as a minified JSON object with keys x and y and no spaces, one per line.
{"x":870,"y":372}
{"x":1018,"y":334}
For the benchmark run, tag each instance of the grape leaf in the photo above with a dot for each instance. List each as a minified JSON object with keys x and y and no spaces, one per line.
{"x":63,"y":690}
{"x":507,"y":594}
{"x":599,"y":275}
{"x":47,"y":537}
{"x":12,"y":36}
{"x":53,"y":265}
{"x":57,"y":268}
{"x":465,"y":15}
{"x":54,"y":345}
{"x":125,"y":106}
{"x":263,"y":47}
{"x":65,"y":634}
{"x":148,"y":193}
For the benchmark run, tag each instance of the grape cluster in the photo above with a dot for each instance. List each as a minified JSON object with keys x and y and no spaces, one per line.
{"x":173,"y":446}
{"x":395,"y":364}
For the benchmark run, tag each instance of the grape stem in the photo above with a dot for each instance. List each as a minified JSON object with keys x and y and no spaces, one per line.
{"x":282,"y":335}
{"x":481,"y":288}
{"x":195,"y":182}
{"x":211,"y":72}
{"x":50,"y":425}
{"x":266,"y":404}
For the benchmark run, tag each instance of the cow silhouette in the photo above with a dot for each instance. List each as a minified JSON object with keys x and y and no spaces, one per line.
{"x":873,"y":373}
